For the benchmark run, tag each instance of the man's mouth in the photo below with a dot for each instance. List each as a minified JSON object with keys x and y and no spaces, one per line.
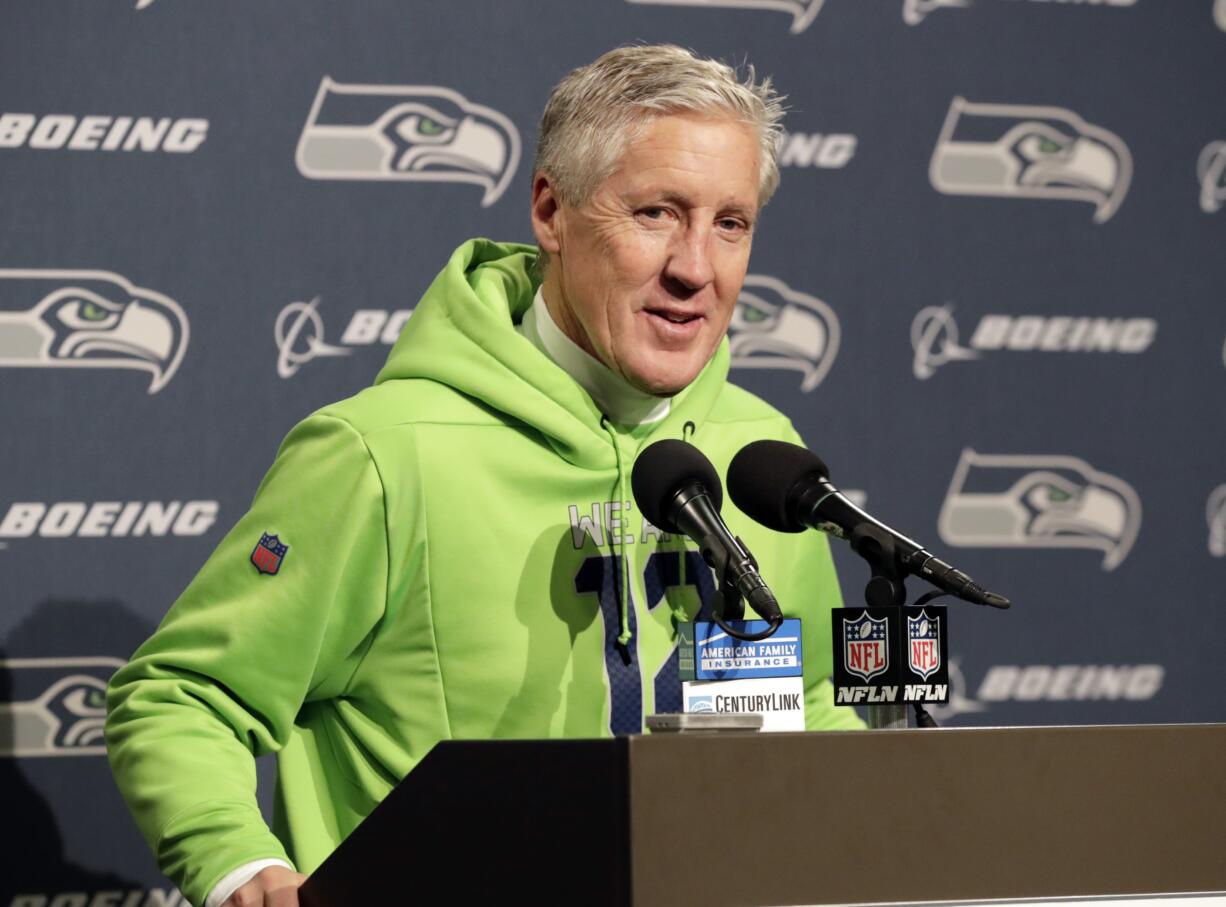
{"x":674,"y":317}
{"x":674,"y":329}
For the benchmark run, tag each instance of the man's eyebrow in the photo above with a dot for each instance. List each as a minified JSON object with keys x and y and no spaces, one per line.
{"x":728,"y":206}
{"x":672,"y":198}
{"x":737,"y":208}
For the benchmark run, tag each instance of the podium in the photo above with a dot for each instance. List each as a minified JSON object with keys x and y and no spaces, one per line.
{"x":817,"y":818}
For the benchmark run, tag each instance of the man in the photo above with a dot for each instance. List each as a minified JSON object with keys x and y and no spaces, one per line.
{"x":455,"y":552}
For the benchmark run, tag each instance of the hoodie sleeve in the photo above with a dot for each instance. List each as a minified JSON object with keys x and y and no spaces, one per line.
{"x":224,"y":676}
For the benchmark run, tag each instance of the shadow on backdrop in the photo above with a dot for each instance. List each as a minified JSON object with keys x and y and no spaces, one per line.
{"x":75,"y":833}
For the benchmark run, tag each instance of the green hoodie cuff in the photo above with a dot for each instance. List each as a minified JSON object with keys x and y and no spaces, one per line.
{"x":199,"y":846}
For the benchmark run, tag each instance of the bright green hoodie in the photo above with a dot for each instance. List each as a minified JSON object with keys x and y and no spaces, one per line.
{"x":464,"y":555}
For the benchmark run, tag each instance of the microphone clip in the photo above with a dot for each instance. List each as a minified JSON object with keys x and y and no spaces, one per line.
{"x":728,"y":603}
{"x":886,"y":586}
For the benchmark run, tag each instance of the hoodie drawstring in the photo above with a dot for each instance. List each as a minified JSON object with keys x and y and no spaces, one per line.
{"x":623,"y":598}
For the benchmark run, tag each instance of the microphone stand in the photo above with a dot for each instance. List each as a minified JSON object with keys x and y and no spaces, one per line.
{"x":728,"y":603}
{"x":885,"y":589}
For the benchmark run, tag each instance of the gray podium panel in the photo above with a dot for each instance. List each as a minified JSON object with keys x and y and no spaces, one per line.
{"x":929,"y":815}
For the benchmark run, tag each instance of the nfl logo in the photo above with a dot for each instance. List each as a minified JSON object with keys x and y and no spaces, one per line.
{"x":924,"y":644}
{"x":268,"y":554}
{"x":866,"y":651}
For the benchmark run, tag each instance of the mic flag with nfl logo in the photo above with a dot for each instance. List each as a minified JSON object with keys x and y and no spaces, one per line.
{"x":890,"y":655}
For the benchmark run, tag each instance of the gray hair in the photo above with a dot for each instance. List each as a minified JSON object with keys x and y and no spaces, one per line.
{"x":596,"y":111}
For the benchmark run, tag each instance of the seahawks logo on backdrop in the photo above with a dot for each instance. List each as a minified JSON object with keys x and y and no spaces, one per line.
{"x":1215,"y":515}
{"x":411,"y":133}
{"x":1211,"y":171}
{"x":58,"y":706}
{"x":803,"y":12}
{"x":776,"y":327}
{"x":89,"y":319}
{"x":914,"y":11}
{"x":1022,"y":151}
{"x":1005,"y":501}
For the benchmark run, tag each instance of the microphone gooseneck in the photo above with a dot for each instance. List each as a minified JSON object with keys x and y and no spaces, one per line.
{"x":787,"y":487}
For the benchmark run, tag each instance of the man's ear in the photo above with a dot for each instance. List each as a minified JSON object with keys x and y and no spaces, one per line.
{"x":546,"y":217}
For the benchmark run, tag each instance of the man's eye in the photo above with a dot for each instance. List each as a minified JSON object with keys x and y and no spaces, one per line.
{"x":731,"y":224}
{"x":653,"y":213}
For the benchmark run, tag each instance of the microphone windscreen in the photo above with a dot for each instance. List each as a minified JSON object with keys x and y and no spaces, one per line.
{"x":662,"y":469}
{"x":761,"y":478}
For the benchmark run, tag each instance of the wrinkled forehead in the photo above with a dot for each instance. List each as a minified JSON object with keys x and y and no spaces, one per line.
{"x":715,"y":152}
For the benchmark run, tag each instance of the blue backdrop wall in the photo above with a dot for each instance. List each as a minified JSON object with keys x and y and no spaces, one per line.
{"x":989,"y":293}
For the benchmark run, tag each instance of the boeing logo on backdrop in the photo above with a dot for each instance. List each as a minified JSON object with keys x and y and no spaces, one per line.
{"x":55,"y":131}
{"x":299,"y":333}
{"x":1211,"y":171}
{"x":827,"y":151}
{"x":1025,"y":151}
{"x":1215,"y":515}
{"x":410,"y":133}
{"x":63,"y":711}
{"x":803,"y":11}
{"x":89,"y":319}
{"x":935,"y":338}
{"x":132,"y":897}
{"x":960,"y":702}
{"x":1050,"y":683}
{"x":107,"y":519}
{"x":1019,"y":501}
{"x":776,"y":327}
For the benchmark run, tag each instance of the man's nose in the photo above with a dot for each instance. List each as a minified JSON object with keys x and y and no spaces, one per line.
{"x":689,"y":260}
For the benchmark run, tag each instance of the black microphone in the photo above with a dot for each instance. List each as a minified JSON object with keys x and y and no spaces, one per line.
{"x":678,"y":490}
{"x":787,"y":488}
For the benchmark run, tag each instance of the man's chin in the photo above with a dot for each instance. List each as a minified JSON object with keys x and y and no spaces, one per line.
{"x":664,"y":383}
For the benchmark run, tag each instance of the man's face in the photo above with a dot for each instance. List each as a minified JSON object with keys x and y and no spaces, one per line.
{"x":645,"y":275}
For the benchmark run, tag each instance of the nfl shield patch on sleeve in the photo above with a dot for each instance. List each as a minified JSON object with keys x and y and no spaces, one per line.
{"x":269,"y":554}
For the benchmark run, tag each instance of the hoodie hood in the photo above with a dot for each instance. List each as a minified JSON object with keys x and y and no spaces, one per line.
{"x":462,"y":334}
